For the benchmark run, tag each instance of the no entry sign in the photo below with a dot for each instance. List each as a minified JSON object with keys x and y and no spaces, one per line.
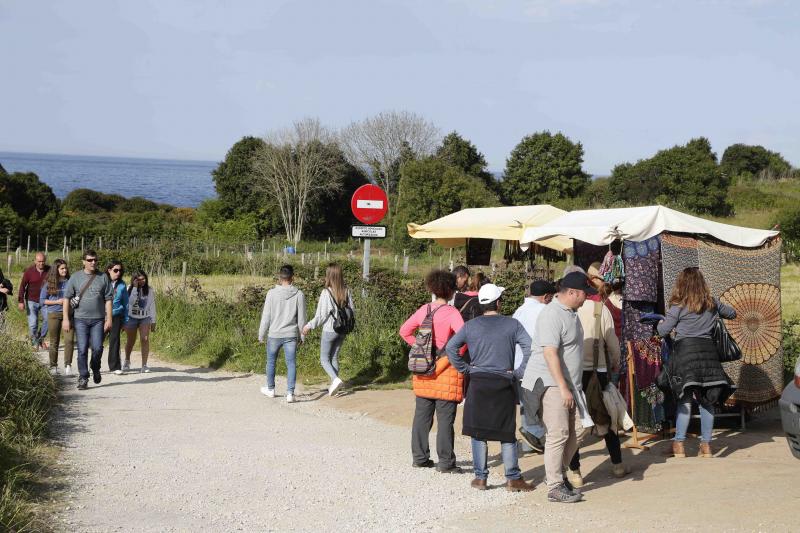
{"x":369,"y":204}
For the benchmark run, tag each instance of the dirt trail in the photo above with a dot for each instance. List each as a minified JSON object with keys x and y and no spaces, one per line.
{"x":188,"y":449}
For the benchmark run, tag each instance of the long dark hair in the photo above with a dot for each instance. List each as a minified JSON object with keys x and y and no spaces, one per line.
{"x":144,"y":289}
{"x":109,"y":266}
{"x":52,"y":277}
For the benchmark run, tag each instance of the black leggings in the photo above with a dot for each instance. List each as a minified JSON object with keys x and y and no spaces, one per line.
{"x":611,"y":438}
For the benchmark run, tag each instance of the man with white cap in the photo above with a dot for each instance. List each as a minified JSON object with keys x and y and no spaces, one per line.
{"x":490,"y":404}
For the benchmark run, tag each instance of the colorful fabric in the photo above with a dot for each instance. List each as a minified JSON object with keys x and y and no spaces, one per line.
{"x":749,"y":280}
{"x":677,"y":254}
{"x":641,"y":260}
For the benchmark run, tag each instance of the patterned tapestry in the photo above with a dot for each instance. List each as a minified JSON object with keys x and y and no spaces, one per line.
{"x":749,"y":280}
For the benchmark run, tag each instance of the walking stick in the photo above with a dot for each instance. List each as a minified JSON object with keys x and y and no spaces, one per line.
{"x":635,"y":443}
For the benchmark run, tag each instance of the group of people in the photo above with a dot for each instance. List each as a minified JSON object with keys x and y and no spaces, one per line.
{"x":283,"y":326}
{"x":83,"y":308}
{"x":557,"y":353}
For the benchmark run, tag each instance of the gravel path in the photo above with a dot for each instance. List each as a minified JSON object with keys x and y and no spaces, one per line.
{"x":186,"y":449}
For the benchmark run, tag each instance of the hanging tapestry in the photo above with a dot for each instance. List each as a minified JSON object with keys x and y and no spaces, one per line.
{"x":748,"y":279}
{"x":586,"y":254}
{"x":479,"y":251}
{"x":641,"y":269}
{"x":677,"y":253}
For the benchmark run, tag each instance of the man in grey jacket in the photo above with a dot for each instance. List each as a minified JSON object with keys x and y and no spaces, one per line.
{"x":282,"y":322}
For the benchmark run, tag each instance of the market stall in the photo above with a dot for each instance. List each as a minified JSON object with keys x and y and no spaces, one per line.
{"x":649,"y":247}
{"x":477,"y":228}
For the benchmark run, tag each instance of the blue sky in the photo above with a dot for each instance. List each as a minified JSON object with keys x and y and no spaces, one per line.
{"x":186,"y":79}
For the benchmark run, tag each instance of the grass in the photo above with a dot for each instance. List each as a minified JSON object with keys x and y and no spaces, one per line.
{"x":27,"y":394}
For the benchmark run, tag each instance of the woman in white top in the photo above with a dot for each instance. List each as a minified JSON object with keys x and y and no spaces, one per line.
{"x":336,"y":295}
{"x":141,"y":318}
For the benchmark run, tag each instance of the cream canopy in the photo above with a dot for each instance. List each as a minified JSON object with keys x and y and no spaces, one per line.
{"x":603,"y":226}
{"x":504,"y":223}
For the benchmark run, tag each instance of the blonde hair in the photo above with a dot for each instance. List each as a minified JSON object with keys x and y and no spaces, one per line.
{"x":334,"y":281}
{"x":692,"y":292}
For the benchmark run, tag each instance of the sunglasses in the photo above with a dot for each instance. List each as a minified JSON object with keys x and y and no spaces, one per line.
{"x":91,"y":260}
{"x":116,"y":270}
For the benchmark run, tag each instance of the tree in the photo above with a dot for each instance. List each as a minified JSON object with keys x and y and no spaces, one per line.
{"x":747,"y":161}
{"x":91,"y":201}
{"x":27,"y":194}
{"x":542,"y":168}
{"x":376,"y":144}
{"x":431,"y":188}
{"x":233,"y":179}
{"x":330,"y":216}
{"x":684,"y":176}
{"x":296,"y":166}
{"x":461,"y":153}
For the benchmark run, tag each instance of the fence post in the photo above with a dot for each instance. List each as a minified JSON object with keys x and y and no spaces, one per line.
{"x":316,"y":272}
{"x":405,"y":265}
{"x":82,"y":248}
{"x":28,"y":251}
{"x":8,"y":243}
{"x":262,"y":246}
{"x":46,"y":244}
{"x":100,"y":242}
{"x":303,"y":258}
{"x":8,"y":269}
{"x":395,"y":261}
{"x":183,"y":276}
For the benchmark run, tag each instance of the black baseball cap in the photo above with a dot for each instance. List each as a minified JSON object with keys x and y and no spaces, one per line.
{"x":541,"y":287}
{"x":579,"y":281}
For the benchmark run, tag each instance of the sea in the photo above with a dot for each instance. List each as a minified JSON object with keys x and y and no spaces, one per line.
{"x":177,"y":182}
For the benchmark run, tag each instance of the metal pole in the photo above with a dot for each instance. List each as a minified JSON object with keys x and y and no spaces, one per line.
{"x":366,"y":258}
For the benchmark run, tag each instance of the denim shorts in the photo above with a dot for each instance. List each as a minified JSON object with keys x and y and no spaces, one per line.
{"x":134,"y":323}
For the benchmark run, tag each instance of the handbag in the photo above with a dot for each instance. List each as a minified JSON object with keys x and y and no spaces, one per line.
{"x":727,"y":349}
{"x":594,"y":391}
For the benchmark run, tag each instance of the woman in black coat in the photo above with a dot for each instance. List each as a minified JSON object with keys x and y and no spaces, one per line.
{"x":694,"y":370}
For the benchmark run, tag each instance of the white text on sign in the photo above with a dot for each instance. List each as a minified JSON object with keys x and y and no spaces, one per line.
{"x":369,"y":204}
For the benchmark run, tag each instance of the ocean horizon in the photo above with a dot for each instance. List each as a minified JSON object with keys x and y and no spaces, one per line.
{"x":182,"y":183}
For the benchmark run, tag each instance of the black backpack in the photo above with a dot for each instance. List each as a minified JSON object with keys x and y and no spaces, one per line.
{"x":468,"y":306}
{"x":344,"y":321}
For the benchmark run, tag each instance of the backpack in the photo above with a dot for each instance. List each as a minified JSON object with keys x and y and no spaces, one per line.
{"x":422,"y":356}
{"x":470,"y":308}
{"x":345,"y":319}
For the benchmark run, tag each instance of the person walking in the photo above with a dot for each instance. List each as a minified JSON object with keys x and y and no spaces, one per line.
{"x":442,"y":390}
{"x":119,"y":314}
{"x":552,"y":383}
{"x":695,"y":372}
{"x":282,"y":321}
{"x":29,"y":290}
{"x":141,"y":318}
{"x":540,"y":293}
{"x":6,"y":290}
{"x":88,"y":296}
{"x":52,"y":297}
{"x":491,"y":402}
{"x":601,"y":354}
{"x":335,"y":296}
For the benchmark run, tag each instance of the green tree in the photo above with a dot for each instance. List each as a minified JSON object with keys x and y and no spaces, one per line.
{"x":89,"y":201}
{"x":27,"y":194}
{"x":742,"y":160}
{"x":234,"y":181}
{"x":543,"y":168}
{"x":430,"y":188}
{"x":683,"y":176}
{"x":459,"y":152}
{"x":330,"y":215}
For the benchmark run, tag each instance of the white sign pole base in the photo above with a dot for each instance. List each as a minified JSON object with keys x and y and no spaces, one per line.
{"x":366,"y":258}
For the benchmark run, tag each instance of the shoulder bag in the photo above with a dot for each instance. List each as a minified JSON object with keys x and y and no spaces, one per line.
{"x":76,"y":300}
{"x":727,"y":349}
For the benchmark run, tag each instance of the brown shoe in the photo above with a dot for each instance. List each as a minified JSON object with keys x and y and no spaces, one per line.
{"x":518,"y":485}
{"x":677,"y":449}
{"x":705,"y":450}
{"x":479,"y":484}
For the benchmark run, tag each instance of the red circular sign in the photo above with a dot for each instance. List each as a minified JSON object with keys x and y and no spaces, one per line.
{"x":369,"y":204}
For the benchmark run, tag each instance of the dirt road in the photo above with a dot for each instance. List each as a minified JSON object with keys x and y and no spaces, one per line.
{"x":187,"y":449}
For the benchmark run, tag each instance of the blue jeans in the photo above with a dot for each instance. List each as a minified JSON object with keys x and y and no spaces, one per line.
{"x":684,"y":413}
{"x":89,"y":334}
{"x":33,"y":309}
{"x":329,"y":347}
{"x":289,"y":352}
{"x":480,"y":455}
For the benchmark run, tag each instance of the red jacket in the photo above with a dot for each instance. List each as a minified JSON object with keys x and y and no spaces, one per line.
{"x":31,"y":284}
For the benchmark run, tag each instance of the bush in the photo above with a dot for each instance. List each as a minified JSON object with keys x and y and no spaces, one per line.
{"x":791,"y":345}
{"x":27,"y":393}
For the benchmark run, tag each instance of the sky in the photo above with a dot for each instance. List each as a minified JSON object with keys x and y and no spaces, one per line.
{"x":187,"y":79}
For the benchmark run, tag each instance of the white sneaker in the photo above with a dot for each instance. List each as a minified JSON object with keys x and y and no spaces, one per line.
{"x":269,"y":393}
{"x":67,"y":370}
{"x":145,"y":369}
{"x":126,"y":367}
{"x":118,"y":372}
{"x":53,"y":370}
{"x":290,"y":398}
{"x":337,"y":383}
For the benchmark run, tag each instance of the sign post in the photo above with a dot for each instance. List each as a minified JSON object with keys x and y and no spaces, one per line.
{"x":369,"y":205}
